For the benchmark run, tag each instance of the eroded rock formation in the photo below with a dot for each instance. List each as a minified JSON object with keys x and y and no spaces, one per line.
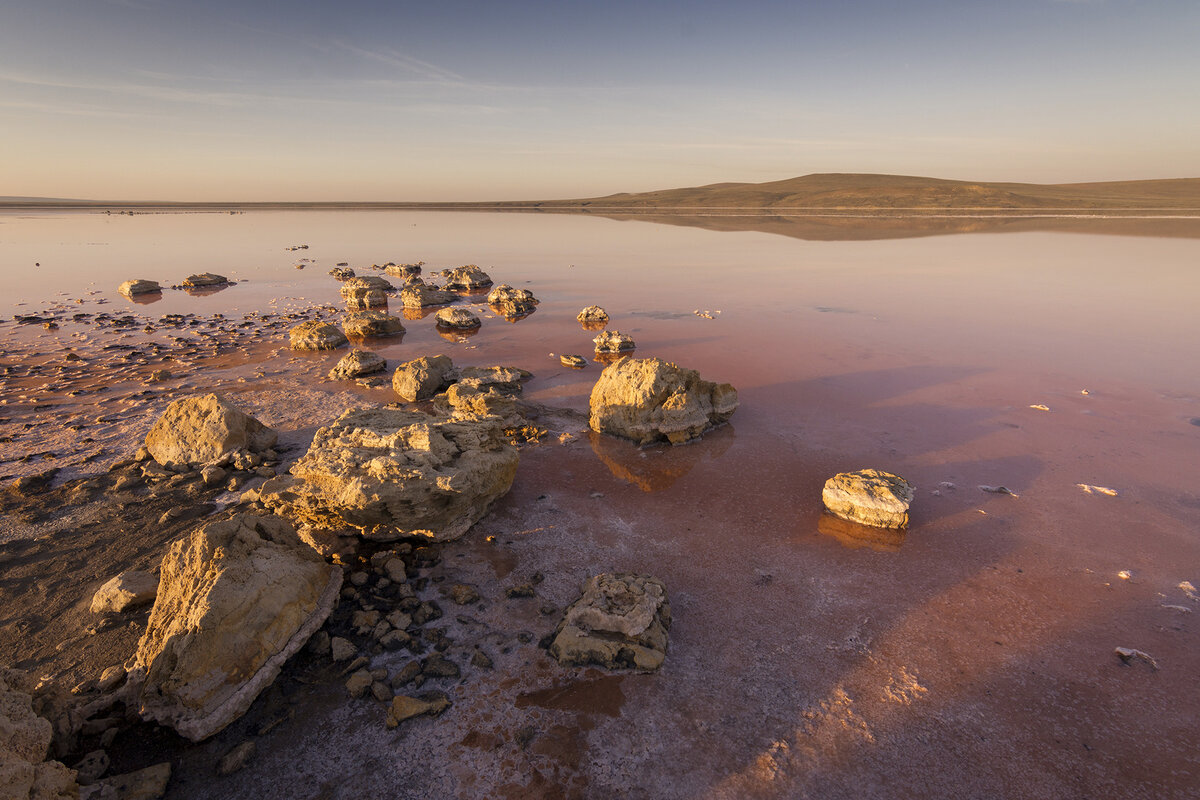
{"x":620,"y":620}
{"x":316,"y":335}
{"x":199,"y":430}
{"x":869,"y":497}
{"x":647,"y":400}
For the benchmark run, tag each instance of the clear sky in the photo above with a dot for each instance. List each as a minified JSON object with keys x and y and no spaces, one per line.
{"x":446,"y":100}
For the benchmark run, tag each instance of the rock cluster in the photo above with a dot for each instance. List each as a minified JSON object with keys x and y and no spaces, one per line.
{"x":423,"y":377}
{"x":459,"y":318}
{"x":361,"y":324}
{"x":512,"y":303}
{"x":419,"y":294}
{"x":138,"y":286}
{"x":356,"y":364}
{"x":648,"y":400}
{"x":869,"y":497}
{"x":200,"y":430}
{"x":467,"y":278}
{"x":613,"y":342}
{"x":237,"y":598}
{"x":620,"y":620}
{"x":24,"y":745}
{"x":316,"y":335}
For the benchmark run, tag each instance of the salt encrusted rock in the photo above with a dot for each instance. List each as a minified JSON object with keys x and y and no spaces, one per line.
{"x":130,"y":589}
{"x":237,"y":598}
{"x":204,"y":279}
{"x":341,"y":273}
{"x":200,"y":430}
{"x":423,"y":377}
{"x":390,"y":473}
{"x":365,"y":292}
{"x":620,"y":620}
{"x":405,"y":271}
{"x":577,"y":362}
{"x":510,"y":302}
{"x":592,"y":314}
{"x":418,"y":294}
{"x":357,"y":363}
{"x":457,"y":318}
{"x":649,"y":399}
{"x":24,"y":743}
{"x":361,"y":324}
{"x":138,"y":286}
{"x":467,"y":278}
{"x":869,"y":497}
{"x":613,"y":342}
{"x":316,"y":335}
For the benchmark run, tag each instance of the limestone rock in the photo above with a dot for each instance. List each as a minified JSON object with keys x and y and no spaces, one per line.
{"x":392,"y":473}
{"x":128,"y":590}
{"x":457,"y":318}
{"x":869,"y":497}
{"x":404,"y":707}
{"x":467,"y":278}
{"x":575,"y":362}
{"x":592,"y":314}
{"x":418,"y":294}
{"x":365,"y":292}
{"x":648,"y":400}
{"x":204,"y":279}
{"x":316,"y":335}
{"x":405,"y":271}
{"x":423,"y":377}
{"x":341,"y":273}
{"x":237,"y":598}
{"x":24,"y":743}
{"x":620,"y":620}
{"x":138,"y":286}
{"x":200,"y":430}
{"x":613,"y":342}
{"x":357,"y":363}
{"x":361,"y":324}
{"x":510,"y":302}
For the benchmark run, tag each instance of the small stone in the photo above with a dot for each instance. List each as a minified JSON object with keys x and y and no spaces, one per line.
{"x":399,"y":620}
{"x":394,"y":569}
{"x":111,"y":678}
{"x":406,"y":674}
{"x":463,"y":595}
{"x":422,"y":378}
{"x":213,"y":475}
{"x":237,"y":758}
{"x":457,"y":318}
{"x":467,"y":278}
{"x":342,"y":649}
{"x":128,"y":590}
{"x":576,"y":362}
{"x":359,"y":578}
{"x":381,"y":691}
{"x":440,"y":667}
{"x":144,"y":784}
{"x":138,"y":286}
{"x":204,"y":279}
{"x":404,"y":707}
{"x":358,"y":683}
{"x":521,"y":590}
{"x":481,"y":659}
{"x":319,"y":644}
{"x":394,"y":639}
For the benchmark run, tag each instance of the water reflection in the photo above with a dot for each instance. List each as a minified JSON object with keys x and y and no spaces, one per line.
{"x":511,"y":317}
{"x":457,"y":335}
{"x":203,"y":291}
{"x":146,"y":298}
{"x":854,"y":536}
{"x":654,"y":469}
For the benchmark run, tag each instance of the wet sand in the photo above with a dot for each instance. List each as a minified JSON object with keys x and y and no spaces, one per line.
{"x":971,"y":657}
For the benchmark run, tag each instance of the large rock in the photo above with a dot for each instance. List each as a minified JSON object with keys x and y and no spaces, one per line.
{"x":138,"y":286}
{"x":130,"y":589}
{"x":512,"y":303}
{"x":620,"y":620}
{"x":423,"y":377}
{"x":316,"y":335}
{"x":24,"y":744}
{"x":361,"y":324}
{"x":357,"y":363}
{"x":869,"y":497}
{"x":467,"y":278}
{"x":390,"y":472}
{"x":459,"y":318}
{"x":199,"y":430}
{"x":418,"y":294}
{"x":237,"y":598}
{"x":648,"y":400}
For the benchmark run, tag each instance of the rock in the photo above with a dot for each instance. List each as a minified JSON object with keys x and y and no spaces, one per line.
{"x":620,"y":620}
{"x":236,"y":759}
{"x":357,"y":363}
{"x":138,"y":286}
{"x":316,"y":335}
{"x":32,"y":484}
{"x":112,"y":677}
{"x":649,"y":400}
{"x":341,"y":274}
{"x":392,"y":473}
{"x":24,"y":744}
{"x":369,"y":291}
{"x":576,"y":362}
{"x":236,"y":599}
{"x":457,"y":318}
{"x":613,"y":342}
{"x":399,"y":620}
{"x":869,"y":497}
{"x":145,"y":784}
{"x":422,"y":378}
{"x":91,"y":767}
{"x":467,"y":278}
{"x":463,"y":595}
{"x":592,"y":315}
{"x":403,"y":270}
{"x":526,"y":589}
{"x":361,"y":324}
{"x":204,"y":279}
{"x":320,"y":644}
{"x":358,"y":683}
{"x":511,"y":303}
{"x":394,"y":569}
{"x":438,"y":666}
{"x":342,"y":649}
{"x":201,"y":430}
{"x":404,"y":707}
{"x":213,"y":475}
{"x":481,"y":660}
{"x":128,"y":590}
{"x":418,"y":294}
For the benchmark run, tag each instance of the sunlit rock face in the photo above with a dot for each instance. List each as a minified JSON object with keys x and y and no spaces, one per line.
{"x":200,"y":430}
{"x":870,"y":497}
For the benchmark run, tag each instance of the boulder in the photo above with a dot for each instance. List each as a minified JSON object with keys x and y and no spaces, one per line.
{"x":316,"y":335}
{"x":613,"y":342}
{"x":130,"y":589}
{"x":648,"y":400}
{"x":457,"y":318}
{"x":357,"y":363}
{"x":423,"y":377}
{"x":390,"y":472}
{"x":869,"y":497}
{"x":238,"y":597}
{"x":511,"y":303}
{"x":620,"y":620}
{"x":24,"y":744}
{"x":467,"y":278}
{"x":418,"y":294}
{"x":138,"y":286}
{"x":361,"y":324}
{"x":592,"y":315}
{"x":199,"y":430}
{"x":204,"y":279}
{"x":405,"y":271}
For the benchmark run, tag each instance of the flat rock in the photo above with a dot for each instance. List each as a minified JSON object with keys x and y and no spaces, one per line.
{"x":200,"y":430}
{"x":405,"y":707}
{"x":575,"y":362}
{"x":237,"y":598}
{"x":357,"y":363}
{"x":316,"y":335}
{"x":459,"y":318}
{"x":613,"y":342}
{"x":418,"y":294}
{"x":361,"y":324}
{"x":138,"y":286}
{"x":128,"y":590}
{"x":467,"y":278}
{"x":204,"y":279}
{"x":403,"y":270}
{"x":423,"y":377}
{"x":869,"y":497}
{"x":620,"y":620}
{"x":510,"y":302}
{"x":648,"y":400}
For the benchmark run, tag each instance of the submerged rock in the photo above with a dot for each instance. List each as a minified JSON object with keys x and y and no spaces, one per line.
{"x":361,"y":324}
{"x":204,"y":279}
{"x":138,"y":286}
{"x":869,"y":497}
{"x":357,"y":363}
{"x":24,"y":744}
{"x":649,"y":399}
{"x":620,"y":620}
{"x":467,"y":278}
{"x":130,"y":589}
{"x":592,"y":315}
{"x":423,"y":377}
{"x":390,"y":473}
{"x":613,"y":342}
{"x":237,"y":598}
{"x":316,"y":335}
{"x":512,"y":303}
{"x":458,"y":318}
{"x":200,"y":430}
{"x":418,"y":294}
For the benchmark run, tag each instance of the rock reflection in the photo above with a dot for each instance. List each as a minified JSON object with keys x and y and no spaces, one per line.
{"x":203,"y":291}
{"x":146,"y":298}
{"x":654,"y":469}
{"x":419,"y":313}
{"x":511,"y":317}
{"x":854,"y":536}
{"x":457,"y":335}
{"x":608,"y":358}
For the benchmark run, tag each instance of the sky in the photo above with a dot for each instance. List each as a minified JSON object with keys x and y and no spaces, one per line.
{"x":443,"y":100}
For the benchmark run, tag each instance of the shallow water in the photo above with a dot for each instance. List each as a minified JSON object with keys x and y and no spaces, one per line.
{"x":971,"y":657}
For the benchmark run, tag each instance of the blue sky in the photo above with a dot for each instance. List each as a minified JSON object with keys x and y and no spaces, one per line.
{"x":149,"y":99}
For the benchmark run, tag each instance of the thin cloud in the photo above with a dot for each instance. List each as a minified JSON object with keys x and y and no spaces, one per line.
{"x":414,"y":65}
